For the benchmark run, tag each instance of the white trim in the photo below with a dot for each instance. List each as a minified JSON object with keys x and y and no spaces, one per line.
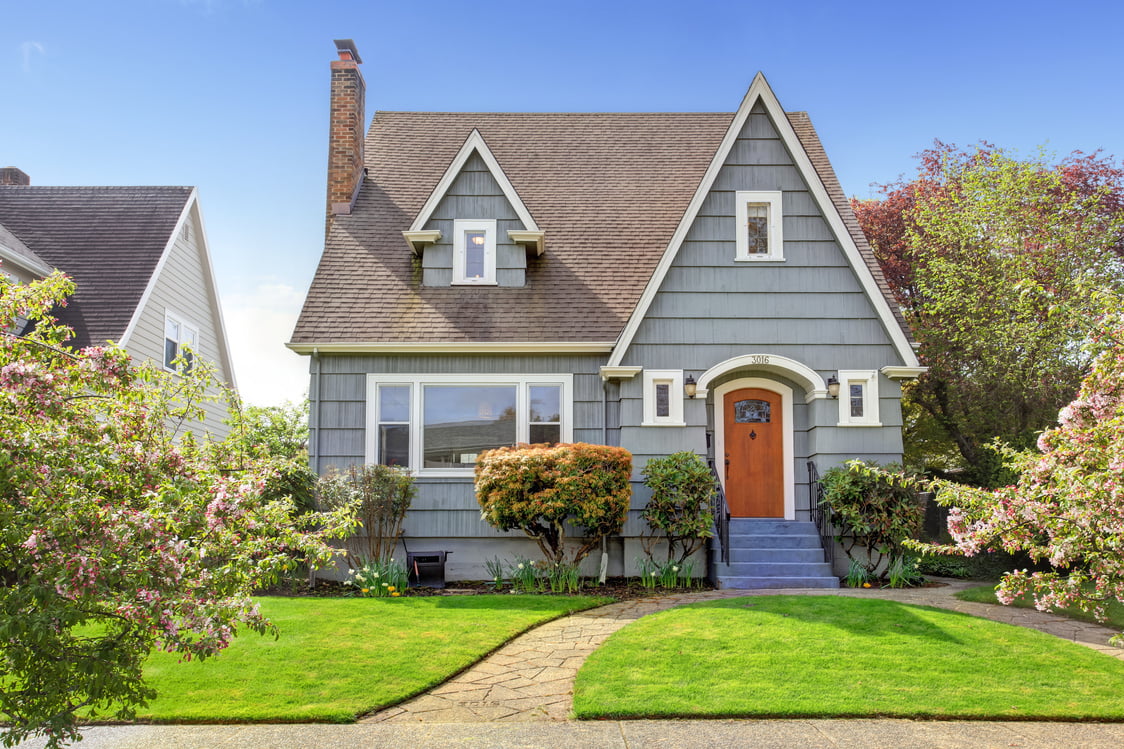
{"x":903,"y":373}
{"x":814,"y":385}
{"x":759,"y":90}
{"x":455,"y":347}
{"x":620,"y":373}
{"x":533,"y":239}
{"x":416,"y":382}
{"x":460,"y":252}
{"x":773,"y":201}
{"x":787,"y":442}
{"x":474,"y":142}
{"x":30,"y":263}
{"x":417,"y":238}
{"x":868,"y":378}
{"x":673,"y":378}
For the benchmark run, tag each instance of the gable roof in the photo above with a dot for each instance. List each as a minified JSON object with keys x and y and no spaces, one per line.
{"x":108,"y":239}
{"x":609,"y":190}
{"x":15,"y":252}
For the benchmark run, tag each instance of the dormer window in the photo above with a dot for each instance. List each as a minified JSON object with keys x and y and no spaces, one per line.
{"x":474,"y":251}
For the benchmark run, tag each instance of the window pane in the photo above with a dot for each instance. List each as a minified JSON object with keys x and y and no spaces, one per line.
{"x":663,"y":399}
{"x":546,"y":403}
{"x":757,"y":228}
{"x":546,"y":433}
{"x":394,"y":444}
{"x":394,"y":403}
{"x":751,"y":411}
{"x":461,"y":421}
{"x":170,"y":347}
{"x":856,"y":390}
{"x":474,"y":244}
{"x":171,"y":329}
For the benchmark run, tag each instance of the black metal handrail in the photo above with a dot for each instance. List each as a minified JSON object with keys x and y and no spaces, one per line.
{"x":721,"y":512}
{"x":821,"y":514}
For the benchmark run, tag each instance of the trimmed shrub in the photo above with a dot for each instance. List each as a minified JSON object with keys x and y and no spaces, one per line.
{"x":873,"y":512}
{"x":383,"y":495}
{"x":679,"y":510}
{"x":538,"y":489}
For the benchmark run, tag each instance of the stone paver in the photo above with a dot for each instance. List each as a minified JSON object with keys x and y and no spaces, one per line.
{"x":532,"y":677}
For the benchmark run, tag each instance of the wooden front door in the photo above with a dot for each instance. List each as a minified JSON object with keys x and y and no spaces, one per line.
{"x":754,"y":453}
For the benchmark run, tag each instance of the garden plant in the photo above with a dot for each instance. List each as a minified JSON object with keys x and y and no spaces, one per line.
{"x":678,"y":513}
{"x":383,"y":495}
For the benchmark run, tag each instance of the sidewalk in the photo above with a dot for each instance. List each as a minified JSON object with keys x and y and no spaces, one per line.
{"x":520,"y":696}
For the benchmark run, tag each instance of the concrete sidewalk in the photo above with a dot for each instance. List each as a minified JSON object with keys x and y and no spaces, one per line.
{"x":669,"y":734}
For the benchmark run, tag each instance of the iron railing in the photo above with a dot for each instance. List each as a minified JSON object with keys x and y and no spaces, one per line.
{"x":821,"y":514}
{"x":721,"y":512}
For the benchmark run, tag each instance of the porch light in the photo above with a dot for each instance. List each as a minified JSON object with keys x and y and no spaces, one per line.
{"x":690,"y":387}
{"x":833,"y":386}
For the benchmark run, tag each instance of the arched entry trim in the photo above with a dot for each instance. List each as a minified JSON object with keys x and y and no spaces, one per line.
{"x":787,"y":446}
{"x":802,"y":374}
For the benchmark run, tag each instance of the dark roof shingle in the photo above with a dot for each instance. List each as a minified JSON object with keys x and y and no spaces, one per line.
{"x":108,"y":239}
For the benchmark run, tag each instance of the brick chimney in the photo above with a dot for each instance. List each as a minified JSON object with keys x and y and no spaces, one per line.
{"x":10,"y":175}
{"x":345,"y":141}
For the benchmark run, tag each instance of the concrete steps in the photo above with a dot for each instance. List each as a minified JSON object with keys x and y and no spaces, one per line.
{"x":767,"y":553}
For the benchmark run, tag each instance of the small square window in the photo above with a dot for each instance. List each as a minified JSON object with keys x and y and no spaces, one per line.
{"x":858,"y":398}
{"x":663,"y":397}
{"x":759,"y":225}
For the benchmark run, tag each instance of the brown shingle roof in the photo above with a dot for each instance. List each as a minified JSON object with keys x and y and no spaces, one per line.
{"x":108,"y":239}
{"x":608,"y":189}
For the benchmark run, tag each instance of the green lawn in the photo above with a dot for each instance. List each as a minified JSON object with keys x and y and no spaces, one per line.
{"x":986,"y":594}
{"x":338,"y":658}
{"x":830,"y":656}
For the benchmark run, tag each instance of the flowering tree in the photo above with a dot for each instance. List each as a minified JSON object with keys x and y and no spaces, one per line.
{"x":1068,"y":505}
{"x":118,"y":536}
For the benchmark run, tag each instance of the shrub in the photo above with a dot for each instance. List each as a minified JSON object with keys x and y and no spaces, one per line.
{"x":679,"y":510}
{"x":873,"y":511}
{"x":383,"y":494}
{"x":540,"y":488}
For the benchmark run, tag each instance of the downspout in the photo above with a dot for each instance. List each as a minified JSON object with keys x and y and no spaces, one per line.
{"x":604,"y":441}
{"x":313,"y":433}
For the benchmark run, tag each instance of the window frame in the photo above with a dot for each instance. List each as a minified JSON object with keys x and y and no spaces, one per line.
{"x":417,"y":383}
{"x":674,"y":379}
{"x":460,"y":226}
{"x":184,"y":324}
{"x":774,"y":200}
{"x":868,"y":378}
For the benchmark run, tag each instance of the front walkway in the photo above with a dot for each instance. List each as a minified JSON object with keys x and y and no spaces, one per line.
{"x":532,"y":677}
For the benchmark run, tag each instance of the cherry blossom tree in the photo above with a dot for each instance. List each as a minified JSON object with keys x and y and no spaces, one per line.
{"x":119,"y":535}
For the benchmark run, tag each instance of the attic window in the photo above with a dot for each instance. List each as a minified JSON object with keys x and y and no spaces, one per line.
{"x":181,"y":340}
{"x":474,"y":252}
{"x":759,"y":225}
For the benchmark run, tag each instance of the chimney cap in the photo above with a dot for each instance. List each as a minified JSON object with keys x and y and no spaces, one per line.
{"x":347,"y":50}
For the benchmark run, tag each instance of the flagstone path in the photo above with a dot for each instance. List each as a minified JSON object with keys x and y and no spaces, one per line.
{"x":531,"y":678}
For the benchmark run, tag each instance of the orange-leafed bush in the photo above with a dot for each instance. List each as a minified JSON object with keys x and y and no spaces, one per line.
{"x":540,"y":488}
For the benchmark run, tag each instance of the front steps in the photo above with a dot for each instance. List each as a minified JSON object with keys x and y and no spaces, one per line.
{"x":772,"y":553}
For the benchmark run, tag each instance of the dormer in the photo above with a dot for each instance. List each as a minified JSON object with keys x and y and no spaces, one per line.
{"x":474,"y":230}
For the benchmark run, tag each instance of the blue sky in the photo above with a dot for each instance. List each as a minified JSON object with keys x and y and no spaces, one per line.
{"x":231,"y":96}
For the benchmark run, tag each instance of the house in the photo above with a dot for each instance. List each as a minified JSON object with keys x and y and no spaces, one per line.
{"x":140,"y":262}
{"x":491,"y":278}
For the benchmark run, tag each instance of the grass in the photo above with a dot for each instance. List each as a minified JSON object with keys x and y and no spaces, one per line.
{"x":1114,"y":611}
{"x":831,"y":656}
{"x":338,"y":658}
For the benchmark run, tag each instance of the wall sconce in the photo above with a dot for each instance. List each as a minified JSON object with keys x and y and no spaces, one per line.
{"x":833,"y":386}
{"x":690,"y":387}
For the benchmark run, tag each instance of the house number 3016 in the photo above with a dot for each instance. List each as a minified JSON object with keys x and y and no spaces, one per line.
{"x":759,"y":359}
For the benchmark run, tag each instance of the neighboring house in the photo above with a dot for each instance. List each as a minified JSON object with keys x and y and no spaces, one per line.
{"x":522,"y":277}
{"x":139,"y":259}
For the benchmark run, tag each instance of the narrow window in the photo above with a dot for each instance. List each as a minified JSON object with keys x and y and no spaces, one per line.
{"x":663,"y":398}
{"x":181,"y":341}
{"x":856,"y":396}
{"x":394,"y":425}
{"x":474,"y":252}
{"x":545,"y":422}
{"x":759,"y":221}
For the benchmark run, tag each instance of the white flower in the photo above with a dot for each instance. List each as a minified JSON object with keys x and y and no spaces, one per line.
{"x":520,"y":565}
{"x":675,"y":568}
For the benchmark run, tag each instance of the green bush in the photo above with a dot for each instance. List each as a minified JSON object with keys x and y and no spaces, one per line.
{"x":540,"y":488}
{"x":873,"y":512}
{"x":679,"y":510}
{"x":383,"y":495}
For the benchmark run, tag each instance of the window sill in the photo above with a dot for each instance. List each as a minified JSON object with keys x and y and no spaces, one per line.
{"x":859,"y":424}
{"x":764,"y":259}
{"x":663,"y":423}
{"x":475,"y":283}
